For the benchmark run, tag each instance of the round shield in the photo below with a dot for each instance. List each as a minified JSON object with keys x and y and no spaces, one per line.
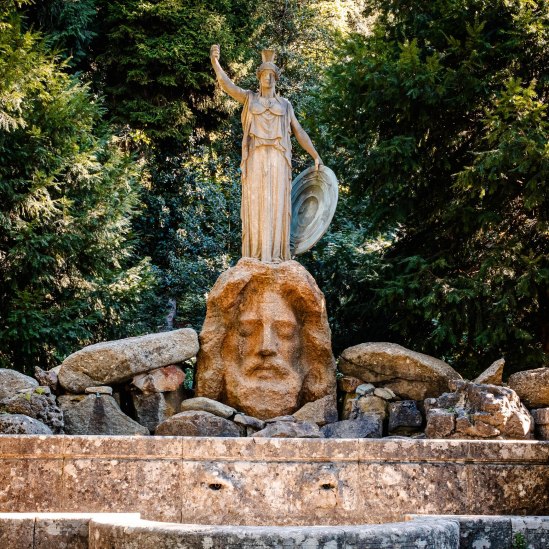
{"x":314,"y":200}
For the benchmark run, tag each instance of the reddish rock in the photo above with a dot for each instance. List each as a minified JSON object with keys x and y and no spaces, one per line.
{"x":348,"y":384}
{"x":162,"y":380}
{"x":321,"y":411}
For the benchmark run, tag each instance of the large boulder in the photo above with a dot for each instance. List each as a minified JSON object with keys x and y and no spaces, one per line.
{"x":19,"y":424}
{"x":410,"y":375}
{"x":117,"y":361}
{"x":97,"y":415}
{"x":532,"y":386}
{"x":266,"y":343}
{"x":37,"y":403}
{"x":11,"y":382}
{"x":478,"y":411}
{"x":197,"y":424}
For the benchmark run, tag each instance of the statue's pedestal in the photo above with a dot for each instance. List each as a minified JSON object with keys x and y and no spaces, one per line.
{"x":265,"y":347}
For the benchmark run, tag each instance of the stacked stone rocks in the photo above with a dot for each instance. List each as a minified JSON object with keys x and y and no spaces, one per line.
{"x":404,"y":393}
{"x":136,"y":386}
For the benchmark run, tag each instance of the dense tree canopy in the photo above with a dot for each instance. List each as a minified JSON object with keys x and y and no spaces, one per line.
{"x":119,"y":167}
{"x":438,"y":122}
{"x":66,"y":197}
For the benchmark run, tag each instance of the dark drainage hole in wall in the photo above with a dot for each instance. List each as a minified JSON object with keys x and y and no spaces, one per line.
{"x":215,"y":486}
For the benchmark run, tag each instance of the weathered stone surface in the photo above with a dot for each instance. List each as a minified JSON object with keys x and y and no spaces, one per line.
{"x":321,"y":411}
{"x":542,"y":432}
{"x":291,"y":482}
{"x":286,"y":429}
{"x":37,"y":403}
{"x":479,"y":411}
{"x":541,"y":419}
{"x":208,"y":405}
{"x":410,"y":375}
{"x":101,"y":390}
{"x":48,"y":378}
{"x":112,"y":534}
{"x":541,"y":416}
{"x":384,"y":393}
{"x":441,"y":423}
{"x":19,"y":424}
{"x":348,"y":404}
{"x":249,"y":422}
{"x":11,"y":382}
{"x":366,"y":426}
{"x":194,"y":423}
{"x":493,"y":374}
{"x":278,"y":419}
{"x":265,"y":345}
{"x":162,"y":380}
{"x":151,"y":409}
{"x":368,"y":404}
{"x":96,"y":415}
{"x":532,"y":386}
{"x":365,"y":389}
{"x":404,"y":417}
{"x":497,"y":531}
{"x":114,"y":362}
{"x":348,"y":384}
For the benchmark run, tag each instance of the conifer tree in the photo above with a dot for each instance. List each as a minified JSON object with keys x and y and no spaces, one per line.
{"x":67,"y":276}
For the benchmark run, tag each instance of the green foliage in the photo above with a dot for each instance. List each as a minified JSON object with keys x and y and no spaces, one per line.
{"x":439,"y":125}
{"x":151,"y":60}
{"x":67,"y":192}
{"x":67,"y":25}
{"x":190,"y":227}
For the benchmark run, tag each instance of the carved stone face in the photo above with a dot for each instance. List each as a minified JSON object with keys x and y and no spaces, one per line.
{"x":266,"y":347}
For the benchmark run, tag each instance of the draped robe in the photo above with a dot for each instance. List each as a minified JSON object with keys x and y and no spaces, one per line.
{"x":266,"y":178}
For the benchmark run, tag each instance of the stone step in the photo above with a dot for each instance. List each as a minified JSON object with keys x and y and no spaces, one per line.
{"x":143,"y":534}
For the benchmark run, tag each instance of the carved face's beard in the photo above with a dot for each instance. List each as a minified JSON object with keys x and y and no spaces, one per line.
{"x":270,"y":384}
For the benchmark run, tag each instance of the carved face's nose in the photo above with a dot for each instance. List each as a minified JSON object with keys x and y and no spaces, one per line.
{"x":268,"y":342}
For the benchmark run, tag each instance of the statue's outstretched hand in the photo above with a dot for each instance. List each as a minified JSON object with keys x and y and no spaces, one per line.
{"x":215,"y":52}
{"x":318,"y":163}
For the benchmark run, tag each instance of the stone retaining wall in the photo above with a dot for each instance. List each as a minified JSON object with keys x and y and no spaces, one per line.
{"x":272,"y":481}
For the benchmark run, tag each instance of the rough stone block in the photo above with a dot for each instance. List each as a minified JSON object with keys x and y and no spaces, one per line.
{"x":532,"y":386}
{"x":404,"y":417}
{"x":197,"y":424}
{"x":204,"y":404}
{"x":288,"y":429}
{"x":321,"y":411}
{"x":97,"y":415}
{"x":366,"y":426}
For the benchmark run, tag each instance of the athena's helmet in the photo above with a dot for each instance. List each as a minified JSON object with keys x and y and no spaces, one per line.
{"x":268,"y":57}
